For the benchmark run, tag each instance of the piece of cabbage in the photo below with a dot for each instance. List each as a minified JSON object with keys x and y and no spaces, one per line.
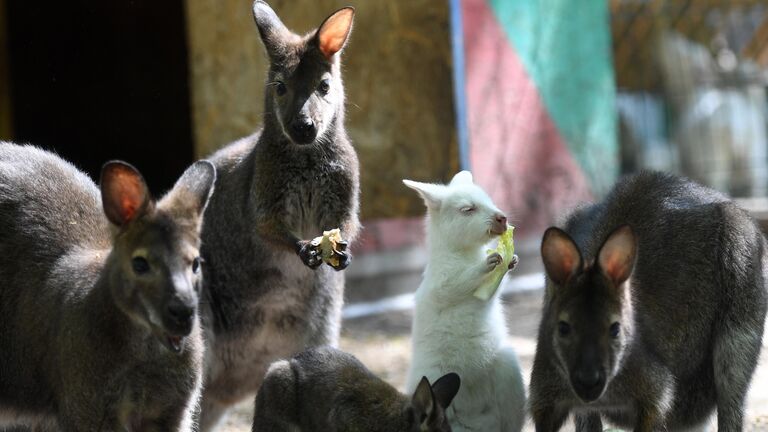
{"x":328,"y":248}
{"x":491,"y":281}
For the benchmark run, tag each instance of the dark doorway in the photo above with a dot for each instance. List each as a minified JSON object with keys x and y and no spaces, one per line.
{"x":100,"y":80}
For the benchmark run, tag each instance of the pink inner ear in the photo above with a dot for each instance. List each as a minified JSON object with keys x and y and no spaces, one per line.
{"x":124,"y":194}
{"x":617,"y":255}
{"x":334,"y":32}
{"x":560,"y":255}
{"x":129,"y":208}
{"x":616,"y":266}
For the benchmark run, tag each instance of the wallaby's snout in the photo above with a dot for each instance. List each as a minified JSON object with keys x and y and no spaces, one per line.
{"x":179,"y":314}
{"x":303,"y":129}
{"x":588,"y":381}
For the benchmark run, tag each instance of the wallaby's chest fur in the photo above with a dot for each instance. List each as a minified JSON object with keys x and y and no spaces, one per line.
{"x":265,"y":303}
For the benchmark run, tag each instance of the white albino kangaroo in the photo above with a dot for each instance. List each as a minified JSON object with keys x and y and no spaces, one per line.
{"x":454,"y":330}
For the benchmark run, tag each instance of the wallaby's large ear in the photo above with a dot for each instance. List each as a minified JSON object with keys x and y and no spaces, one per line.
{"x":273,"y":32}
{"x":445,"y":389}
{"x":333,"y":33}
{"x":432,"y":194}
{"x":423,"y":401}
{"x":191,"y":192}
{"x":462,"y":177}
{"x":561,"y":256}
{"x":124,"y":194}
{"x":617,"y":255}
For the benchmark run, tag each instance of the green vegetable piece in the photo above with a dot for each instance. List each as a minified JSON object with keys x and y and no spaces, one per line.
{"x":492,"y":280}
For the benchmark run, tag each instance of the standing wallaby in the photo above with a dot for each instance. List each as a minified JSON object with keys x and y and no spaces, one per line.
{"x":654,"y":310}
{"x":452,"y":329}
{"x":324,"y":389}
{"x":267,"y":297}
{"x":98,"y":315}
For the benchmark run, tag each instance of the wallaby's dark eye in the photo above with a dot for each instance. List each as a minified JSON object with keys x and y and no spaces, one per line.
{"x":467,"y":209}
{"x":140,"y":265}
{"x":196,"y":264}
{"x":563,"y":328}
{"x":324,"y":86}
{"x":614,"y":330}
{"x":280,"y":88}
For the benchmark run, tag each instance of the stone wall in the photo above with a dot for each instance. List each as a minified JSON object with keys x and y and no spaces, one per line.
{"x":398,"y":75}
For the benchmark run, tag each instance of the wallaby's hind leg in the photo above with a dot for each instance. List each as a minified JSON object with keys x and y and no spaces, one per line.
{"x":276,"y":400}
{"x":735,"y":357}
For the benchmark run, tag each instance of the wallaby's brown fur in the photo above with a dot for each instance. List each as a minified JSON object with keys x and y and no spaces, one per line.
{"x":98,"y":322}
{"x":267,"y":296}
{"x":324,"y":389}
{"x":654,"y":310}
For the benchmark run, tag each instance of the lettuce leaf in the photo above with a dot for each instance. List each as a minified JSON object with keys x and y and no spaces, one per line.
{"x":491,"y":281}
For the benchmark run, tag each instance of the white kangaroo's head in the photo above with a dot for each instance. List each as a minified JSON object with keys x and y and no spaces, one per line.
{"x":460,"y":213}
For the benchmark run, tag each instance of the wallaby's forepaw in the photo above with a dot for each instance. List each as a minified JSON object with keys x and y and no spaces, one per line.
{"x":492,"y":261}
{"x":310,"y":255}
{"x":344,"y":258}
{"x":513,"y":262}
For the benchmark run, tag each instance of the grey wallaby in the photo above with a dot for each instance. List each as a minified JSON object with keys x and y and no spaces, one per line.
{"x":324,"y":389}
{"x":98,"y":296}
{"x":267,"y":295}
{"x":654,"y":310}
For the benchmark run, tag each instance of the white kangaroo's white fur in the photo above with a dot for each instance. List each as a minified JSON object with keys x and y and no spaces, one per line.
{"x":453,"y":331}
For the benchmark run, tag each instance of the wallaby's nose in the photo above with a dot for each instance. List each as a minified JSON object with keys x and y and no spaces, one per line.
{"x":179,"y":316}
{"x":588,"y":378}
{"x":303,"y":129}
{"x":588,"y":383}
{"x":502,"y":220}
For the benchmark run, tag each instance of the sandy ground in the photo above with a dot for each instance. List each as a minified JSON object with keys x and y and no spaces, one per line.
{"x":382,"y":342}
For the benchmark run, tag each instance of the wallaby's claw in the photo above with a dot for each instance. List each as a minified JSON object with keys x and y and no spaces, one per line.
{"x":492,"y":261}
{"x":342,"y":245}
{"x":344,"y":259}
{"x":310,"y":254}
{"x":513,"y":262}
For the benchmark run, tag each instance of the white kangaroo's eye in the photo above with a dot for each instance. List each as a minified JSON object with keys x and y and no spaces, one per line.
{"x":467,"y":209}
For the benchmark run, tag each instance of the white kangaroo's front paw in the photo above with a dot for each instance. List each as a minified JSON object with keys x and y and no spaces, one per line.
{"x":492,"y":261}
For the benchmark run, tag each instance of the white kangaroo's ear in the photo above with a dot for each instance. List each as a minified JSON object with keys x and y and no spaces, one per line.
{"x":464,"y":177}
{"x":432,"y":194}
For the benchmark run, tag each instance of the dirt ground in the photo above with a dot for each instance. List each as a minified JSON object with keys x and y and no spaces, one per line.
{"x":382,"y":342}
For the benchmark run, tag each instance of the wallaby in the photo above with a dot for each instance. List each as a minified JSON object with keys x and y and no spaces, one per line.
{"x":99,"y":328}
{"x":654,"y":310}
{"x":324,"y":389}
{"x":452,"y":329}
{"x":267,"y":297}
